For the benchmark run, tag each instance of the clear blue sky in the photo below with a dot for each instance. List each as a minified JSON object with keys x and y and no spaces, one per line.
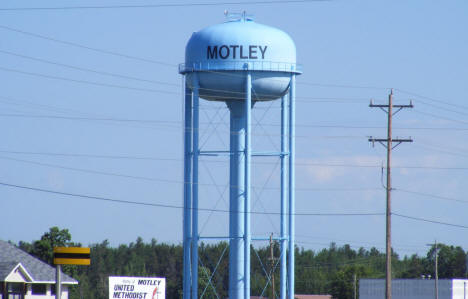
{"x":75,"y":135}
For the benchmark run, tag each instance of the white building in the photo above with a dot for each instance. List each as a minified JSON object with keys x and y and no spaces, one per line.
{"x":414,"y":288}
{"x":23,"y":276}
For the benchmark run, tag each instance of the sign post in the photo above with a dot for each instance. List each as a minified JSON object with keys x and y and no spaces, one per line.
{"x":58,"y":283}
{"x":68,"y":256}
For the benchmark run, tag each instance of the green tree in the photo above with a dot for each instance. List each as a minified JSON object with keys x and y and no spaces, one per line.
{"x":345,"y":281}
{"x":205,"y":286}
{"x":55,"y":237}
{"x":413,"y":267}
{"x":451,"y":261}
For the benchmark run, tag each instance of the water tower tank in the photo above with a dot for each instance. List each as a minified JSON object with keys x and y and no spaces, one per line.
{"x":239,"y":62}
{"x":220,"y":53}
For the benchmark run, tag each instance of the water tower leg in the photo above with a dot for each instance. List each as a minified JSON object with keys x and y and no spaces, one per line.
{"x":236,"y":199}
{"x":292,"y":195}
{"x":248,"y":155}
{"x":195,"y":153}
{"x":187,"y":191}
{"x":283,"y":198}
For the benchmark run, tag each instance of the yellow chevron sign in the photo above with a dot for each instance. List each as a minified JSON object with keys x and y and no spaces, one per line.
{"x":72,"y":256}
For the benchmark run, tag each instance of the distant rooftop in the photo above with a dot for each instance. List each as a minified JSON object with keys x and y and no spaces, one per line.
{"x":298,"y":296}
{"x":11,"y":256}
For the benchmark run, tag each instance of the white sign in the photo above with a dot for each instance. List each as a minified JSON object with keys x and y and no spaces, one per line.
{"x":121,"y":287}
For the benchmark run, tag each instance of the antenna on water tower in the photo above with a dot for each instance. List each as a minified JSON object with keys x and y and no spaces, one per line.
{"x":239,"y":62}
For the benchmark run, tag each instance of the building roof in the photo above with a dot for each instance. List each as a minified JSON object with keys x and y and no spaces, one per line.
{"x":6,"y":268}
{"x":299,"y":296}
{"x":11,"y":256}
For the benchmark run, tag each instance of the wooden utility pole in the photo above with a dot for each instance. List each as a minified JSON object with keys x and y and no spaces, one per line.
{"x":436,"y":274}
{"x":355,"y":286}
{"x":272,"y":265}
{"x":388,"y":143}
{"x":436,"y":271}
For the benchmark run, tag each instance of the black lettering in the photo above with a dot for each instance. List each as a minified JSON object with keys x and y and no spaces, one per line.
{"x":212,"y":53}
{"x":242,"y":53}
{"x":225,"y":52}
{"x":263,"y":51}
{"x":130,"y":295}
{"x":252,"y":51}
{"x":221,"y":52}
{"x":234,"y":48}
{"x":147,"y":282}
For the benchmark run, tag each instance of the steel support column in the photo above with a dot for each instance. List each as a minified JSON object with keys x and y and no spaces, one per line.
{"x":292,"y":195}
{"x":195,"y":152}
{"x":237,"y":199}
{"x":283,"y":178}
{"x":187,"y":233}
{"x":248,"y":155}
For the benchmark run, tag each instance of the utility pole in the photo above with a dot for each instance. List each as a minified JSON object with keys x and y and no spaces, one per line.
{"x":436,"y":266}
{"x":436,"y":271}
{"x":387,"y":142}
{"x":272,"y":265}
{"x":355,"y":286}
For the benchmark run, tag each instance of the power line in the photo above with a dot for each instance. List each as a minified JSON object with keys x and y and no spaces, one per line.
{"x":442,"y":108}
{"x":428,"y":220}
{"x":168,"y":180}
{"x":118,"y":54}
{"x":76,"y":155}
{"x":81,"y":46}
{"x":217,"y":123}
{"x":432,"y":195}
{"x":92,"y":171}
{"x":79,"y":118}
{"x":128,"y":157}
{"x":166,"y":5}
{"x":382,"y":127}
{"x":358,"y":244}
{"x":435,"y":149}
{"x":87,"y":69}
{"x":100,"y":73}
{"x":431,"y":99}
{"x":216,"y":210}
{"x":432,"y":167}
{"x":441,"y":117}
{"x":18,"y":102}
{"x":453,"y":149}
{"x":85,"y":81}
{"x":343,"y":86}
{"x":113,"y":53}
{"x":235,"y":94}
{"x":105,"y":73}
{"x":162,"y":205}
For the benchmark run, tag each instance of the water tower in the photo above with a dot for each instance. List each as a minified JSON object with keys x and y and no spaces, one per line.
{"x":239,"y":62}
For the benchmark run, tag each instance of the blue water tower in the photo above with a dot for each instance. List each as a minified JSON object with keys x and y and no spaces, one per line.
{"x":239,"y":62}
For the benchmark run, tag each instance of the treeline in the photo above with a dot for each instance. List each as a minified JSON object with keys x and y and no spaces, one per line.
{"x":335,"y":270}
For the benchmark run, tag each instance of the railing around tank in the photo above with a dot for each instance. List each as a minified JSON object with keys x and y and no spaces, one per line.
{"x":271,"y":66}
